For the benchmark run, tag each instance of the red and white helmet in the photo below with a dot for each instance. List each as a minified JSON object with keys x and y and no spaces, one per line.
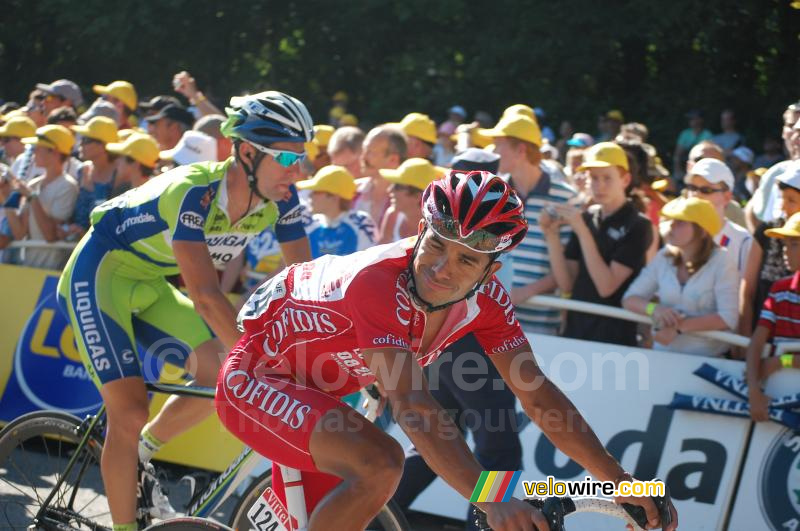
{"x":477,"y":209}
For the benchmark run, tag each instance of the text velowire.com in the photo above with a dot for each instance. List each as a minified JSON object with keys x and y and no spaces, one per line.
{"x":590,"y":487}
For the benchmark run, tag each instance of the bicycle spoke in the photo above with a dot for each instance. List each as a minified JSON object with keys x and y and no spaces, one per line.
{"x":26,"y":478}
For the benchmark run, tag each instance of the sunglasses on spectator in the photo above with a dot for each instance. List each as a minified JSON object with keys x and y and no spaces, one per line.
{"x":405,"y":188}
{"x":129,"y":159}
{"x":86,"y":140}
{"x":284,"y":158}
{"x":705,"y":190}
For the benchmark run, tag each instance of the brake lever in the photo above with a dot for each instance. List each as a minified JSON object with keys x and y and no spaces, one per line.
{"x":638,"y":513}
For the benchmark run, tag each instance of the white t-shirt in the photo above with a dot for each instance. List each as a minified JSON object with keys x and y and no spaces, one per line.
{"x":737,"y":241}
{"x":23,"y":167}
{"x":58,"y":200}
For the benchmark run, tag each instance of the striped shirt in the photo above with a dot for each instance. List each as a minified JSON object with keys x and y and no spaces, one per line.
{"x":531,"y":260}
{"x":781,"y":311}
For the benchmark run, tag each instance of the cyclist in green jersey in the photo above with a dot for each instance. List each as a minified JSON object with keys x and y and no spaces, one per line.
{"x":191,"y":220}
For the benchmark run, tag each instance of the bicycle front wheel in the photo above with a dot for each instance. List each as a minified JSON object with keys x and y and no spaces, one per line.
{"x":34,"y":452}
{"x":390,"y":518}
{"x":188,"y":523}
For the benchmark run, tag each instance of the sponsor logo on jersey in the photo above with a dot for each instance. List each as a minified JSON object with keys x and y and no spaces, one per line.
{"x":295,"y":324}
{"x":402,"y":311}
{"x":135,"y":220}
{"x":292,"y":216}
{"x":391,"y":340}
{"x":86,"y":314}
{"x":265,"y":397}
{"x":205,"y":201}
{"x":495,"y":291}
{"x":510,"y":344}
{"x":193,"y":220}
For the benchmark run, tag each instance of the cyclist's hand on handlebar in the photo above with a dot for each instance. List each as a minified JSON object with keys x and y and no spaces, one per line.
{"x":653,"y":518}
{"x":514,"y":515}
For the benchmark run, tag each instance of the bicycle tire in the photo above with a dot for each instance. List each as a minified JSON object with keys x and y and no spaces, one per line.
{"x":390,"y":518}
{"x":188,"y":523}
{"x":80,"y":503}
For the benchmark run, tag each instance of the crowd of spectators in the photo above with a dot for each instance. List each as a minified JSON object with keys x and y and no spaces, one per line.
{"x":608,"y":222}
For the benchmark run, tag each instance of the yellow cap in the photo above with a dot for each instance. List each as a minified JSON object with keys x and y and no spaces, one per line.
{"x":603,"y":155}
{"x":660,"y":185}
{"x":123,"y":134}
{"x":122,"y":90}
{"x":322,"y":135}
{"x":615,"y":114}
{"x":312,"y":150}
{"x":348,"y":119}
{"x":694,"y":210}
{"x":55,"y":137}
{"x":12,"y":114}
{"x":419,"y":126}
{"x":516,"y":126}
{"x":416,"y":172}
{"x":98,"y":128}
{"x":521,"y":108}
{"x":18,"y":126}
{"x":332,"y":179}
{"x":758,"y":172}
{"x":141,"y":147}
{"x":790,"y":229}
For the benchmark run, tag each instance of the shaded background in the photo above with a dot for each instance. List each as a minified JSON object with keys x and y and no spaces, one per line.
{"x":654,"y":60}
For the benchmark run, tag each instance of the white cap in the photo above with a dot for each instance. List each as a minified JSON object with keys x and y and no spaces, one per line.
{"x":745,"y":154}
{"x":713,"y":171}
{"x":791,"y":176}
{"x":193,"y":146}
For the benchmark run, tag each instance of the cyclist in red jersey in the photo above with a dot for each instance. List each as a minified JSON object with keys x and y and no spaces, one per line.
{"x":323,"y":329}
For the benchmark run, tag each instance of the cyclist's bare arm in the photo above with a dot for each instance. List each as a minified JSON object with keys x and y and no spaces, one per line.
{"x":202,"y":283}
{"x":436,"y":436}
{"x":561,"y":422}
{"x":296,"y":251}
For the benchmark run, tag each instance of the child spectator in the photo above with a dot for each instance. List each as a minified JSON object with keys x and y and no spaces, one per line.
{"x":607,"y":247}
{"x":335,"y":228}
{"x":780,"y":320}
{"x":139,"y":156}
{"x":406,"y":185}
{"x":693,"y":280}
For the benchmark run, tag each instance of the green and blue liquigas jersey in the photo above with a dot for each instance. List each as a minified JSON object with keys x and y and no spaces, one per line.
{"x":188,"y":203}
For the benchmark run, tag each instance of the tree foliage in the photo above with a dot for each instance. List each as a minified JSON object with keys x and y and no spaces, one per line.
{"x":653,"y":59}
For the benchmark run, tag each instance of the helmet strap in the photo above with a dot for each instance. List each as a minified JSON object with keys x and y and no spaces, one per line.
{"x":412,"y":288}
{"x":250,"y":170}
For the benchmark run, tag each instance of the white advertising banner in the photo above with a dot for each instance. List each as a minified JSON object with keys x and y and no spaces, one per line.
{"x":623,"y":393}
{"x":769,"y":493}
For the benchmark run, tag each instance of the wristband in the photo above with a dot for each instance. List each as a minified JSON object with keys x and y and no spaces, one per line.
{"x":200,"y":98}
{"x":651,"y":308}
{"x":787,"y":361}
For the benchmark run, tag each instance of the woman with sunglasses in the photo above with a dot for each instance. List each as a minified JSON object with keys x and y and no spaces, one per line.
{"x":97,"y":176}
{"x":189,"y":221}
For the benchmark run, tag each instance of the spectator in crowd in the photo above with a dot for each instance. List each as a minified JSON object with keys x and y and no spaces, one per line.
{"x":406,"y":184}
{"x":778,"y":321}
{"x":348,"y":120}
{"x":518,"y":142}
{"x":210,"y":125}
{"x":139,"y":155}
{"x":771,"y":154}
{"x":193,"y":146}
{"x":122,"y":95}
{"x":344,"y":149}
{"x":741,"y":162}
{"x":97,"y":176}
{"x":420,"y":133}
{"x":729,"y":139}
{"x":707,"y":149}
{"x":322,"y":137}
{"x":456,"y":115}
{"x":168,"y":125}
{"x":687,"y":139}
{"x":35,"y":107}
{"x":100,"y":107}
{"x":765,"y":263}
{"x":185,"y":84}
{"x":49,"y":200}
{"x":155,"y":104}
{"x":60,"y":93}
{"x":712,"y":180}
{"x":692,"y":279}
{"x":565,"y":132}
{"x":385,"y":148}
{"x":65,"y":116}
{"x":11,"y":135}
{"x":606,"y":250}
{"x":609,"y":125}
{"x":633,"y":132}
{"x":765,"y":203}
{"x":445,"y":148}
{"x":336,"y":228}
{"x":547,"y":133}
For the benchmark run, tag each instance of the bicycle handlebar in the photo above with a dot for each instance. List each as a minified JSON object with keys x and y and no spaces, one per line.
{"x":556,"y":508}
